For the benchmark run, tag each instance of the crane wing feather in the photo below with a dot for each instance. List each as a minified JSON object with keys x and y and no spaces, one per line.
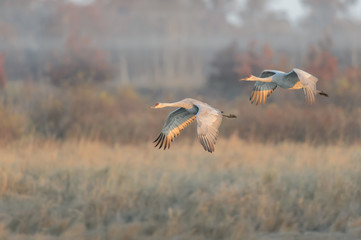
{"x":175,"y":123}
{"x":261,"y":91}
{"x":208,"y":121}
{"x":308,"y":82}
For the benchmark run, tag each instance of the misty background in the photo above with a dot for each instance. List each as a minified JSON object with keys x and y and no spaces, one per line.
{"x":77,"y":158}
{"x":168,"y":43}
{"x":108,"y":56}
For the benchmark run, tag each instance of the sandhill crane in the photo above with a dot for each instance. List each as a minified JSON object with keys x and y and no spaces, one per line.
{"x":208,"y":121}
{"x":267,"y":82}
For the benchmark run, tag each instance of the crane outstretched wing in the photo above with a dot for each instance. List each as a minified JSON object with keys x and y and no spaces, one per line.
{"x":261,"y":91}
{"x":208,"y":122}
{"x":308,"y":82}
{"x":175,"y":123}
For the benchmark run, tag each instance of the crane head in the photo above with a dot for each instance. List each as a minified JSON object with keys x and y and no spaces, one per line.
{"x":249,"y":78}
{"x":156,"y":105}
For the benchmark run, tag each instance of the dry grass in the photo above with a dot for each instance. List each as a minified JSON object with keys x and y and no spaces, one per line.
{"x":88,"y":190}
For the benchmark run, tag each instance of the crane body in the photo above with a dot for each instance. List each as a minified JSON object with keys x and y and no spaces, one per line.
{"x":268,"y":81}
{"x":208,"y":122}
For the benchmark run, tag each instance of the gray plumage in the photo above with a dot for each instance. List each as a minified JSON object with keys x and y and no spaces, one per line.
{"x":268,"y":81}
{"x":208,"y":122}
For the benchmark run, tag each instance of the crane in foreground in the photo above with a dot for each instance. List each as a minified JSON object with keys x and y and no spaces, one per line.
{"x":268,"y":81}
{"x":208,"y":121}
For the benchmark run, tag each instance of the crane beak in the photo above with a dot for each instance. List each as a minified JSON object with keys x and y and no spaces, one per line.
{"x":155,"y":106}
{"x":246,"y":79}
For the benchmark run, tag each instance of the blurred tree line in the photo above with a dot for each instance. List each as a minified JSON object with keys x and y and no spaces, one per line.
{"x":75,"y":71}
{"x":157,"y":43}
{"x":231,"y":63}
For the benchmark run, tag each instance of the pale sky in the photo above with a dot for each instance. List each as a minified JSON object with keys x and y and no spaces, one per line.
{"x":81,"y":2}
{"x":293,"y":8}
{"x":297,"y":10}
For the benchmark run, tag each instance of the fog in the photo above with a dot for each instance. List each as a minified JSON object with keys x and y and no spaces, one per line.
{"x":171,"y":43}
{"x":78,"y":79}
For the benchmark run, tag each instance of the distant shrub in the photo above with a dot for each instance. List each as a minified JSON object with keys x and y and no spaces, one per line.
{"x":224,"y":78}
{"x":278,"y":123}
{"x":80,"y":64}
{"x":122,"y":115}
{"x":116,"y":115}
{"x":230,"y":64}
{"x":51,"y":118}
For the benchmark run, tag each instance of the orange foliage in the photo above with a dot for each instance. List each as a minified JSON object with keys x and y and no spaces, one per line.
{"x":324,"y":64}
{"x":353,"y":74}
{"x":320,"y":60}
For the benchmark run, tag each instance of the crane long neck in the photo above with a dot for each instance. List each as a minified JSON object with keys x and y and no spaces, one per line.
{"x":267,"y":79}
{"x":178,"y":104}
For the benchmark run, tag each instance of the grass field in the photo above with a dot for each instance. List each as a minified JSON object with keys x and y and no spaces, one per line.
{"x":88,"y":190}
